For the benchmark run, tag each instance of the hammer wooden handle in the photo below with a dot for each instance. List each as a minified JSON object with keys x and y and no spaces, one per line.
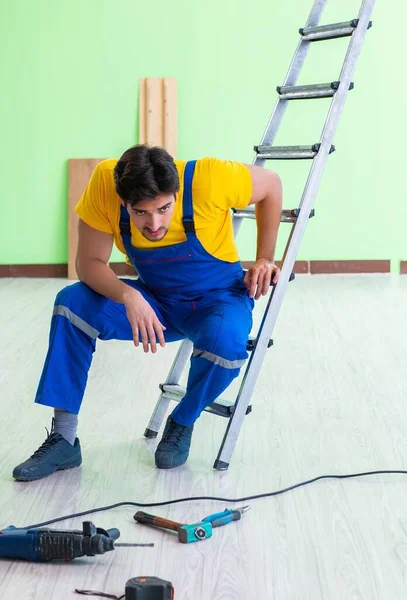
{"x":148,"y":519}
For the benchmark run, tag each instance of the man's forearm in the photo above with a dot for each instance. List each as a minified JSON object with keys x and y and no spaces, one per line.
{"x":100,"y":277}
{"x":268,"y":216}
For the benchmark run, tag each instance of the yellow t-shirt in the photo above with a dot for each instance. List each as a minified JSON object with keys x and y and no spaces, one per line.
{"x":217,"y":187}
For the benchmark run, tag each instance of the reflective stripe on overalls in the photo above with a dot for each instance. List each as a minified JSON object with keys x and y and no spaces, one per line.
{"x":194,"y":295}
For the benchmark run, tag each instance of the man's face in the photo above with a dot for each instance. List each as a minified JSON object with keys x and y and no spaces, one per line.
{"x":152,"y":217}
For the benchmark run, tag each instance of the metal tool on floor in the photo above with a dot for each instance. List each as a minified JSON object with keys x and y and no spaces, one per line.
{"x":356,"y":30}
{"x":195,"y":532}
{"x":140,"y":588}
{"x":149,"y":588}
{"x":42,"y":545}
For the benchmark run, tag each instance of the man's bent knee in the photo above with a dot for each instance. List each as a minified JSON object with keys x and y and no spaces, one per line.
{"x":76,"y":295}
{"x":227,"y":341}
{"x":81,"y":306}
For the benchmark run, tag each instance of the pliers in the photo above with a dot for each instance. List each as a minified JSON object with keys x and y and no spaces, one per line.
{"x":227,"y":516}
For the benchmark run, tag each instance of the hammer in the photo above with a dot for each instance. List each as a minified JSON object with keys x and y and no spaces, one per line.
{"x":197,"y":531}
{"x":186,"y":533}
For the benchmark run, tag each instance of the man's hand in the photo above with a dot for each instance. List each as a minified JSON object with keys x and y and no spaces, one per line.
{"x":259,"y":277}
{"x":143,"y":321}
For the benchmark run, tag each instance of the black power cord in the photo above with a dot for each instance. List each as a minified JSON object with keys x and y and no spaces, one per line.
{"x":217,"y":499}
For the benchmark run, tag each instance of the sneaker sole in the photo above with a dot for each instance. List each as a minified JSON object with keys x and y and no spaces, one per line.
{"x":48,"y":474}
{"x":170,"y":467}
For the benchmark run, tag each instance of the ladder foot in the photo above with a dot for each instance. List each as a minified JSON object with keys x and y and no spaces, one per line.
{"x":220,"y":465}
{"x":149,"y":433}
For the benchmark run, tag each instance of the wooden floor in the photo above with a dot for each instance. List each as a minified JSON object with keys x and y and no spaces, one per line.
{"x":331,"y":398}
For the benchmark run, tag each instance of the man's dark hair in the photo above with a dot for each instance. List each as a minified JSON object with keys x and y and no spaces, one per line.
{"x":143,"y":172}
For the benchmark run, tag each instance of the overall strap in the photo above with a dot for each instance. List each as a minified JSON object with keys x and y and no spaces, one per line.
{"x":124,"y":222}
{"x":187,"y":207}
{"x":125,"y":232}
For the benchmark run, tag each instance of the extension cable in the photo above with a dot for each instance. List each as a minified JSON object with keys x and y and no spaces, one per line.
{"x":215,"y":498}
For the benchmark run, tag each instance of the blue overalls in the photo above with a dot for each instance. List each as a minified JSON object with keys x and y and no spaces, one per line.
{"x":194,"y":295}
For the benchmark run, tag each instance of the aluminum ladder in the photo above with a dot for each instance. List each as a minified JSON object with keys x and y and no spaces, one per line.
{"x":356,"y":29}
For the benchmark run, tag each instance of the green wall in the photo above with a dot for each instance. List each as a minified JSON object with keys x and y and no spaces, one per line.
{"x":70,"y":71}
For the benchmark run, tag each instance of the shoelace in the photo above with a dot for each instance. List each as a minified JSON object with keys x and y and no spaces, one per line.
{"x":175,"y":434}
{"x":45,"y":446}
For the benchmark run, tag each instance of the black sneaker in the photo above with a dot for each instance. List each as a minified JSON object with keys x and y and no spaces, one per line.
{"x":173,"y":450}
{"x":55,"y":454}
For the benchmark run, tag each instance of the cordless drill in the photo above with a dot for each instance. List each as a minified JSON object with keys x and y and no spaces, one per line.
{"x":49,"y":544}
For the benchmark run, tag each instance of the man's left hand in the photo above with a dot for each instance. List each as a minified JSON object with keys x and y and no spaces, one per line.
{"x":259,"y":277}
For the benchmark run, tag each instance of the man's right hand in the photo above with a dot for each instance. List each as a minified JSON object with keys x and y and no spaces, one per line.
{"x":143,"y":321}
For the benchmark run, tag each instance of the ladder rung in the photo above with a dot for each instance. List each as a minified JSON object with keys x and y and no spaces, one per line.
{"x":222,"y":407}
{"x":287,"y":216}
{"x":172,"y":390}
{"x":290,"y":216}
{"x":305,"y":92}
{"x":289,"y":152}
{"x":252,"y":343}
{"x":327,"y":32}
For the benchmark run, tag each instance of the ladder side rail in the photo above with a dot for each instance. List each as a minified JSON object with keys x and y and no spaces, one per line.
{"x":297,"y":233}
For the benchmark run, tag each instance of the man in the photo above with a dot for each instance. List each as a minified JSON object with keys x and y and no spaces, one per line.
{"x":172,"y":220}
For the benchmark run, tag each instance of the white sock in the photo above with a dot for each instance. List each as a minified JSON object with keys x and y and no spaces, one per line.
{"x":66,"y":424}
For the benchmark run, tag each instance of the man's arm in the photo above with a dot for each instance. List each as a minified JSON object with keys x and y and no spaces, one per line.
{"x":267,"y":197}
{"x":94,"y":249}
